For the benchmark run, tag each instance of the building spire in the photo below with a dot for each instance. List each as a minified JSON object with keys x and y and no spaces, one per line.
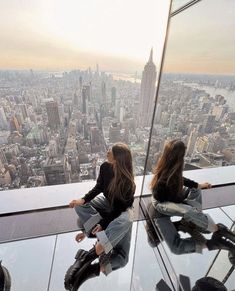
{"x":151,"y":56}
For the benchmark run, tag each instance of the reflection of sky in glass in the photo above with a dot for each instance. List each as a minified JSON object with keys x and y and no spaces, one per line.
{"x":183,"y":264}
{"x":176,"y":4}
{"x":221,"y":266}
{"x":64,"y":257}
{"x":28,"y":262}
{"x":230,"y":211}
{"x":205,"y":45}
{"x":230,"y":283}
{"x":146,"y":271}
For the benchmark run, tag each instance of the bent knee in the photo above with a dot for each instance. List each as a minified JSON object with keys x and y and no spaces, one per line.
{"x":79,"y":209}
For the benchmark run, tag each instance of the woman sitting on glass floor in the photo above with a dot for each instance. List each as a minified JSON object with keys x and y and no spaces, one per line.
{"x":171,"y":198}
{"x":109,"y":217}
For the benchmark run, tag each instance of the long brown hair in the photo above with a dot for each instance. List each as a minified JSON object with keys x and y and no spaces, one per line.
{"x":169,"y":168}
{"x":122,"y":184}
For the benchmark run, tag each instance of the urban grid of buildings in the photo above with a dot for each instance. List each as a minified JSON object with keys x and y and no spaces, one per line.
{"x":55,"y":128}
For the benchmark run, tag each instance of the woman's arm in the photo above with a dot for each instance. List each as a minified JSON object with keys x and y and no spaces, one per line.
{"x":99,"y":187}
{"x":204,"y":185}
{"x":92,"y":193}
{"x":190,"y":183}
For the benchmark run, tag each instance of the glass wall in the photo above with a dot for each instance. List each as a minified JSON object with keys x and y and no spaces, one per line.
{"x":196,"y":105}
{"x":196,"y":101}
{"x":72,"y":85}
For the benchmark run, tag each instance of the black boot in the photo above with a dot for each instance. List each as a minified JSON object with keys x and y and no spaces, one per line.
{"x":219,"y":242}
{"x":191,"y":228}
{"x":183,"y":223}
{"x":87,"y":272}
{"x":225,"y":232}
{"x":82,"y":257}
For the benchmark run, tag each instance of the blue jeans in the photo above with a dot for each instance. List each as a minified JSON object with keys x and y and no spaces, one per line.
{"x":116,"y":238}
{"x":191,"y":211}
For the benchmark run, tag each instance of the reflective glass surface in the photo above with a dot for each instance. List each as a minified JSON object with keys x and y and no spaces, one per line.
{"x":182,"y":264}
{"x":230,"y":211}
{"x":58,"y":117}
{"x":146,"y":269}
{"x":176,"y":4}
{"x":28,"y":262}
{"x":66,"y":249}
{"x":196,"y":92}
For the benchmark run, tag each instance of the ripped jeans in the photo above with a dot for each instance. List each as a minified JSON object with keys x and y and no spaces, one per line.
{"x":115,"y":239}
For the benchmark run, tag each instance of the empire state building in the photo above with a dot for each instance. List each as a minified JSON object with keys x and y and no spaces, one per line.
{"x":147,"y":91}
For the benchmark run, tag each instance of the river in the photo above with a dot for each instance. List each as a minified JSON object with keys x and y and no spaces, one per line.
{"x":228,"y":95}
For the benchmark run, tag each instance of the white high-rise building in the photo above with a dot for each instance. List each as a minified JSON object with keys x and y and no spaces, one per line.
{"x":147,"y":91}
{"x":192,"y":141}
{"x":3,"y":119}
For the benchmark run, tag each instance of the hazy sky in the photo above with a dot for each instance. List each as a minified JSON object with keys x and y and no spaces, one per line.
{"x":201,"y":39}
{"x":116,"y":34}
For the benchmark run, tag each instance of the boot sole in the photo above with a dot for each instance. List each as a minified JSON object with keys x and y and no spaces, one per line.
{"x":78,"y":276}
{"x":68,"y":279}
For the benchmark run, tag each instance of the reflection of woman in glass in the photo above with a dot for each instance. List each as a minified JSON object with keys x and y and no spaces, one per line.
{"x":108,"y":217}
{"x":170,"y":198}
{"x":5,"y":278}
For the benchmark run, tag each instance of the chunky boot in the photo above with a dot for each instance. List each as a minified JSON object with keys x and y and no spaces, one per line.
{"x":87,"y":272}
{"x":225,"y":232}
{"x":81,"y":257}
{"x":191,"y":225}
{"x":220,"y":242}
{"x":191,"y":228}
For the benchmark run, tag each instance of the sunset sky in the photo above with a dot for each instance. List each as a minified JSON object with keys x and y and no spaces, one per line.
{"x":117,"y":34}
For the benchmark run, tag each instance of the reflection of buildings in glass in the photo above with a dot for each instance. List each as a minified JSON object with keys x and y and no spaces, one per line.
{"x":53,"y":114}
{"x":147,"y":91}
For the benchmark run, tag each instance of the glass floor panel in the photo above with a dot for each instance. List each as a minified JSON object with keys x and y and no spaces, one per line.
{"x":28,"y":262}
{"x":196,"y":266}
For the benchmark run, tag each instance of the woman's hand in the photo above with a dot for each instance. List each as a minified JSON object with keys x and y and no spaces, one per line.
{"x":77,"y":202}
{"x":96,"y":229}
{"x":204,"y":185}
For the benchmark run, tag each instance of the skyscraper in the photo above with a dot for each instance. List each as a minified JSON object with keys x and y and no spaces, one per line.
{"x":53,"y":114}
{"x":191,"y":142}
{"x":147,"y":91}
{"x":3,"y":119}
{"x":103,"y":92}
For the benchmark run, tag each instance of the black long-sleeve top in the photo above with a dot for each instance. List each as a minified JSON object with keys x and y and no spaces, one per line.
{"x":118,"y":206}
{"x":164,"y":193}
